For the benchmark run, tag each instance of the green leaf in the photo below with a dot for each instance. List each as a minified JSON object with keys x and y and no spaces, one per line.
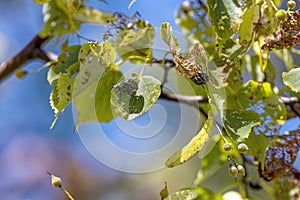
{"x":246,"y":30}
{"x":133,"y":95}
{"x":225,"y":16}
{"x":183,"y":195}
{"x":90,"y":15}
{"x":240,"y":122}
{"x":194,"y":146}
{"x":61,"y":94}
{"x":66,"y":58}
{"x":103,"y":94}
{"x":292,"y":79}
{"x":166,"y":33}
{"x":94,"y":59}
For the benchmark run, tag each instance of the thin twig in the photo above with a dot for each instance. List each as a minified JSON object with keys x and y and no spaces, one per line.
{"x":190,"y":100}
{"x":31,"y":51}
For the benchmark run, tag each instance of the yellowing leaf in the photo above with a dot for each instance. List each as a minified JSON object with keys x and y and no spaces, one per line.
{"x":195,"y":145}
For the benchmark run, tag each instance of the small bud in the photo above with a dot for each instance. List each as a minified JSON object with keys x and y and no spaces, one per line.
{"x":281,"y":14}
{"x":164,"y":193}
{"x":233,"y":171}
{"x":241,"y":170}
{"x":227,"y":146}
{"x":20,"y":73}
{"x":242,"y":148}
{"x":56,"y":181}
{"x":291,"y":4}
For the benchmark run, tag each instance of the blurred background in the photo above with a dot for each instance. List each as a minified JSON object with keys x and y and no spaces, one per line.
{"x":29,"y":149}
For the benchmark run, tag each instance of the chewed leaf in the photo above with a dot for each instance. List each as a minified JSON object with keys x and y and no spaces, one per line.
{"x":103,"y":94}
{"x":183,"y":195}
{"x":241,"y":122}
{"x":194,"y":146}
{"x":292,"y":80}
{"x":133,"y":97}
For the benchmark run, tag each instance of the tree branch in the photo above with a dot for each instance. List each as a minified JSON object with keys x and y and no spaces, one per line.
{"x":191,"y":100}
{"x":32,"y":51}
